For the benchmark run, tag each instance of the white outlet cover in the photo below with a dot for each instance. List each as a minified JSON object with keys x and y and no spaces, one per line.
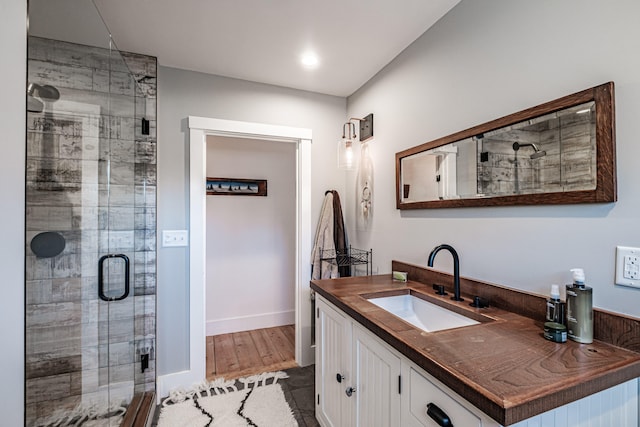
{"x":629,"y":253}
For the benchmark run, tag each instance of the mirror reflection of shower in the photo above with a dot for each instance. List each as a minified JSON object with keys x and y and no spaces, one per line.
{"x":537,"y":152}
{"x":46,"y":93}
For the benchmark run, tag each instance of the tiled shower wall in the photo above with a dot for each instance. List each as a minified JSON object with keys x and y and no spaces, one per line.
{"x":91,"y":176}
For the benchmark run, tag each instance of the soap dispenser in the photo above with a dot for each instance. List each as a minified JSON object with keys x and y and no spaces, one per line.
{"x":579,"y":309}
{"x":555,"y":307}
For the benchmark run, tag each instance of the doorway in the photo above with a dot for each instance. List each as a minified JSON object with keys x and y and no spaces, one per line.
{"x":250,"y":255}
{"x":199,"y":129}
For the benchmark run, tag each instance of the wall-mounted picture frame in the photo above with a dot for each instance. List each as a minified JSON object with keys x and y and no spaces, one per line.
{"x":236,"y":187}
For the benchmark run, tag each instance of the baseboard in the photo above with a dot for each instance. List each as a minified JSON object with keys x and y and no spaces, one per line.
{"x":182,"y":379}
{"x":248,"y":323}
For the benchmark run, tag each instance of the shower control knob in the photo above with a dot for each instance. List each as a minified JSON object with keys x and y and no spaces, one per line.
{"x":349,"y":391}
{"x":339,"y":377}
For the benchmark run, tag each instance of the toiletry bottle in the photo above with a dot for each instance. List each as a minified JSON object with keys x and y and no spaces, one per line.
{"x":555,"y":307}
{"x":579,"y":309}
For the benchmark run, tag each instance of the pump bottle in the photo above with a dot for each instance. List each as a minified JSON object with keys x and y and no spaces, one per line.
{"x":555,"y":307}
{"x":579,"y":309}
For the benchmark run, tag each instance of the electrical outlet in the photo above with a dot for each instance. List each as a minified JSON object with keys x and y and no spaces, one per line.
{"x":628,"y":266}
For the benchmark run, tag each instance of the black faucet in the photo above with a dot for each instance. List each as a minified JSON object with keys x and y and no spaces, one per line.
{"x":456,"y":268}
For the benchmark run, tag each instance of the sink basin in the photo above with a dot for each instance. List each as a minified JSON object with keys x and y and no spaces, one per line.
{"x":422,"y":314}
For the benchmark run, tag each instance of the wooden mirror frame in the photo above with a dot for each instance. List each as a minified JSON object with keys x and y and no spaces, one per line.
{"x":606,"y":188}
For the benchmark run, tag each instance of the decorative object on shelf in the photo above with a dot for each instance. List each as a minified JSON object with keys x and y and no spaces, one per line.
{"x":560,"y":152}
{"x":236,"y":187}
{"x":348,"y":258}
{"x":346,"y":156}
{"x":364,"y":190}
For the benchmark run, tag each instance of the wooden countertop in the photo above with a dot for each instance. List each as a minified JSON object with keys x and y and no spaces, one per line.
{"x":503,"y":365}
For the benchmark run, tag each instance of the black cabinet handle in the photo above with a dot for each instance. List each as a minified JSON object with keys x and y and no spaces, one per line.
{"x":438,"y":415}
{"x":101,"y":294}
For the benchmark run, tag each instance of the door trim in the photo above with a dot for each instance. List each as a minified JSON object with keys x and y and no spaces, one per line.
{"x":199,"y":129}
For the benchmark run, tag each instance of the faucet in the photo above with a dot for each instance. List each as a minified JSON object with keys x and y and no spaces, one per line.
{"x":456,"y":268}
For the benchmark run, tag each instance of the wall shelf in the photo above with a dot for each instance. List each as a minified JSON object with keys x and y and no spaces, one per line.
{"x":348,"y":258}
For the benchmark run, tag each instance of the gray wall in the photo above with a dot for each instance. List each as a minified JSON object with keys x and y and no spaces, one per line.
{"x":183,"y":93}
{"x":13,"y":44}
{"x":482,"y":61}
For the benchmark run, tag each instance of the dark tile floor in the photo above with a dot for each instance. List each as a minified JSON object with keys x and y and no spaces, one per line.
{"x":299,"y":390}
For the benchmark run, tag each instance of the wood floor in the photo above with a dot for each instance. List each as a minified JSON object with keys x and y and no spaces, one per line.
{"x":251,"y":352}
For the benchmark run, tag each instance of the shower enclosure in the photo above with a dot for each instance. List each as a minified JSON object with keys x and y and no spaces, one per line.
{"x":90,"y":221}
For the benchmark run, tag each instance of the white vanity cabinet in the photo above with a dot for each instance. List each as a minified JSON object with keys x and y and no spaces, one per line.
{"x":362,"y":381}
{"x":333,"y":366}
{"x":376,"y":372}
{"x":357,"y":377}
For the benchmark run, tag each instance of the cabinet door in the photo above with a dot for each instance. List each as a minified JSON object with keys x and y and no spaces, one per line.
{"x":377,"y":382}
{"x":333,"y":336}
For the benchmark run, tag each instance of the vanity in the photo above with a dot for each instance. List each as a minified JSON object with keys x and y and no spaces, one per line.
{"x":375,"y":369}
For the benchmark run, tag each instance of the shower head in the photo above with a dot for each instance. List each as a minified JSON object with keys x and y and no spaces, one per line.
{"x":537,"y":152}
{"x":45,"y":93}
{"x":34,"y":105}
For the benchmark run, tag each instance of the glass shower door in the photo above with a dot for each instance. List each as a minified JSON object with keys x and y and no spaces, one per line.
{"x":90,"y":229}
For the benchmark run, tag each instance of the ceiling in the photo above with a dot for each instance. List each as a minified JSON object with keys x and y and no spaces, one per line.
{"x":256,"y":40}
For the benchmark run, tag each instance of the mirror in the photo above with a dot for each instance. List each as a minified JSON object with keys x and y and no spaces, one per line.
{"x":560,"y":152}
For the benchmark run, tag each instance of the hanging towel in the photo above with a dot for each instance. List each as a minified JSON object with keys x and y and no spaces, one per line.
{"x":324,"y":242}
{"x":340,"y":234}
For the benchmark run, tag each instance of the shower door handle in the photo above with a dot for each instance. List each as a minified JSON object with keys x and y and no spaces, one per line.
{"x":101,"y":294}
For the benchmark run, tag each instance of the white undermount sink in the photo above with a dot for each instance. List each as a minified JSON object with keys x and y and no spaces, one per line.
{"x":422,"y":314}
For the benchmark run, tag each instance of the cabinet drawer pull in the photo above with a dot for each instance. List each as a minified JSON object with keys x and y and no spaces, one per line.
{"x":339,"y":378}
{"x":438,"y":415}
{"x":349,"y":391}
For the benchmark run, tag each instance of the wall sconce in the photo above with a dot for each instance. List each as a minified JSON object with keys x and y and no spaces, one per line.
{"x":346,"y":156}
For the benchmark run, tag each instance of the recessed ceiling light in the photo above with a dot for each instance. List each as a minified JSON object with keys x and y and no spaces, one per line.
{"x":309,"y":60}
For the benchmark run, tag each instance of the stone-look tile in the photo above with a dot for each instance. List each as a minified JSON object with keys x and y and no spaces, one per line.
{"x":72,"y":54}
{"x":49,"y":218}
{"x":107,"y":81}
{"x":47,"y":314}
{"x":44,"y":409}
{"x":145,"y":305}
{"x":140,"y":65}
{"x":145,"y":196}
{"x":145,"y":151}
{"x":48,"y":388}
{"x":145,"y":174}
{"x":38,"y":291}
{"x":55,"y":366}
{"x":60,"y":75}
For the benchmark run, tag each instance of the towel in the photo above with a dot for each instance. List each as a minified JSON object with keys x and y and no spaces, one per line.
{"x":324,"y":241}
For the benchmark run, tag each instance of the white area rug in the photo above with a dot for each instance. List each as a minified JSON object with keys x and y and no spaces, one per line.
{"x":259,"y":402}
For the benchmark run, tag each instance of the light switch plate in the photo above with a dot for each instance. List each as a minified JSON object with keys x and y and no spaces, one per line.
{"x":628,"y":266}
{"x":174,"y":238}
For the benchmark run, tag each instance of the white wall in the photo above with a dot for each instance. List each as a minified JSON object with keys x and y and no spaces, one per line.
{"x":482,"y":61}
{"x":13,"y":45}
{"x":251,"y":240}
{"x":182,"y":93}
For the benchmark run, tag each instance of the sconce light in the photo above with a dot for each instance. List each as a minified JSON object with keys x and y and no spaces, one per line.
{"x":346,"y":156}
